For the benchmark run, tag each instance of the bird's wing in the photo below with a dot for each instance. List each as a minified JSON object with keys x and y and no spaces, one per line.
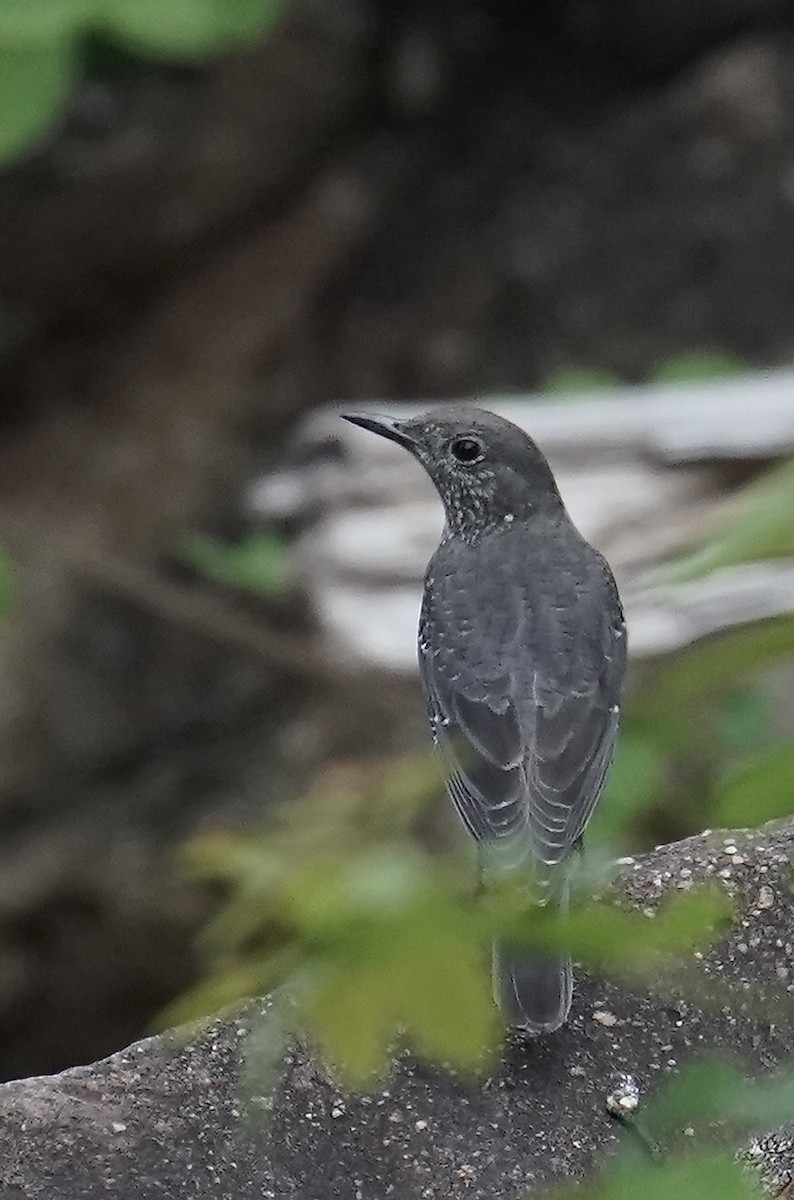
{"x":525,"y":753}
{"x":573,"y":740}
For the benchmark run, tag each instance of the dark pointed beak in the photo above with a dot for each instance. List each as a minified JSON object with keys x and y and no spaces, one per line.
{"x":388,"y":427}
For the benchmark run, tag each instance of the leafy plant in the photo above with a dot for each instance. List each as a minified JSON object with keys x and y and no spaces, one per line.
{"x":377,"y":943}
{"x":758,"y":789}
{"x":698,"y":1120}
{"x":41,"y":41}
{"x":758,"y":525}
{"x":695,"y":716}
{"x":698,"y":366}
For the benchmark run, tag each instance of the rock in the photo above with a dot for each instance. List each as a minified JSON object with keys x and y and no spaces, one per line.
{"x":168,"y":1118}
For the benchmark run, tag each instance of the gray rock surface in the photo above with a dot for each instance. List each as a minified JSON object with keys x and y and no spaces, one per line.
{"x":167,"y":1118}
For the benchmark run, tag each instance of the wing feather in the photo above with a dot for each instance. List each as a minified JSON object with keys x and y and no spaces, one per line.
{"x":525,"y":750}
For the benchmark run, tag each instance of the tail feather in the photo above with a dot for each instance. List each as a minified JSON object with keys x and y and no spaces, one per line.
{"x":533,"y":993}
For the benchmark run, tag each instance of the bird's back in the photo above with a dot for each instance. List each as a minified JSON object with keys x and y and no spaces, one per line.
{"x":522,"y":654}
{"x":529,"y":601}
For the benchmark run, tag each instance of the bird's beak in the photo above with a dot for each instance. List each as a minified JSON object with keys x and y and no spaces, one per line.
{"x":388,"y":427}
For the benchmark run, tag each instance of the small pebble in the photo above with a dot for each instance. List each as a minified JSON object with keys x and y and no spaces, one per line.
{"x":625,"y":1096}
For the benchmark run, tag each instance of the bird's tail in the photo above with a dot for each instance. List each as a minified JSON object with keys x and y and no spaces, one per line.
{"x":532,"y":992}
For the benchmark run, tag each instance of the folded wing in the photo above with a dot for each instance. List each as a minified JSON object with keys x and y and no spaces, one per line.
{"x":524,"y":758}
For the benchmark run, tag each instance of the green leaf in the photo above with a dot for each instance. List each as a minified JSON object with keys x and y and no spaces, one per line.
{"x":420,"y":978}
{"x":715,"y":664}
{"x":447,"y":1003}
{"x":699,"y":365}
{"x":746,"y":721}
{"x":634,"y":946}
{"x":760,"y":526}
{"x":219,"y":991}
{"x":263,"y":1056}
{"x":634,"y":784}
{"x":719,"y":1108}
{"x":259,"y":563}
{"x":715,"y":1090}
{"x":705,"y":1176}
{"x":352,"y":1018}
{"x":573,"y":380}
{"x":326,"y":892}
{"x":760,"y":789}
{"x":39,"y":22}
{"x":699,"y":1094}
{"x":763,"y":1104}
{"x":7,"y":590}
{"x":603,"y":934}
{"x":35,"y":82}
{"x":697,"y":1176}
{"x":186,"y":28}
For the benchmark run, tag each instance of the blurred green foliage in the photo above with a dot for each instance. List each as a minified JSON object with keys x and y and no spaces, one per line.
{"x":758,"y":525}
{"x":336,"y":902}
{"x":6,"y":582}
{"x":698,"y":1120}
{"x":693,"y":367}
{"x":381,"y":944}
{"x":697,"y":1176}
{"x":759,"y":787}
{"x":698,"y":366}
{"x":41,"y":44}
{"x":692,"y":723}
{"x":573,"y":380}
{"x":708,"y":714}
{"x":259,"y":562}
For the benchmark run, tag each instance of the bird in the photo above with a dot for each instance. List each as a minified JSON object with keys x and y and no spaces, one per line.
{"x":522,"y":654}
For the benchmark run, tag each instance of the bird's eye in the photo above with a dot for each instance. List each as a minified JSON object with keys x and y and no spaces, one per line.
{"x":467,"y":450}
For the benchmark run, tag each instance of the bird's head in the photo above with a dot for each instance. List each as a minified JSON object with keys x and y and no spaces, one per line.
{"x":486,"y":470}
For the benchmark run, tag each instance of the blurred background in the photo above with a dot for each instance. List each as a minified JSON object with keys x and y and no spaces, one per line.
{"x":219,"y":219}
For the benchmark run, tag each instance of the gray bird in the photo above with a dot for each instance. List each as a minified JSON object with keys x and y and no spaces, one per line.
{"x":522,"y":653}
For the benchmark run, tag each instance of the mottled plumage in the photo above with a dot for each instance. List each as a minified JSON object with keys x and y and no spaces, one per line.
{"x":522,"y":653}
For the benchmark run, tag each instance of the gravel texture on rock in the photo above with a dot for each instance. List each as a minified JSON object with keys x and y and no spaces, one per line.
{"x":169,"y":1117}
